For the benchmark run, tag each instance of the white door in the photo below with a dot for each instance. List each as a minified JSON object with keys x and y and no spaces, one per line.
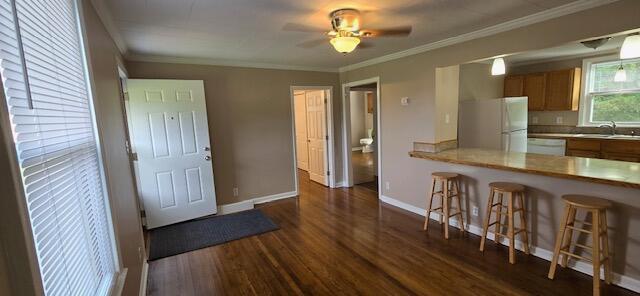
{"x":300,"y":116}
{"x":170,"y":134}
{"x":317,"y":136}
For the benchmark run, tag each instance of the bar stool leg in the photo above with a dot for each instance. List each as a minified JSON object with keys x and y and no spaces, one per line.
{"x":511,"y":233}
{"x":596,"y":251}
{"x":559,"y":239}
{"x":445,"y":208}
{"x":442,"y":186}
{"x":498,"y":225}
{"x":605,"y":248}
{"x":487,"y":219}
{"x":568,"y":237}
{"x":523,"y":223}
{"x":460,"y":216}
{"x":430,"y":203}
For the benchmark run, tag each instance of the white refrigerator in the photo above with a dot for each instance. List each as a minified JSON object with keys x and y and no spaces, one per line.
{"x":493,"y":124}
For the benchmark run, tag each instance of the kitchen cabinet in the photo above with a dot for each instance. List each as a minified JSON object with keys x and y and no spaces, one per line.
{"x":562,"y":91}
{"x":613,"y":149}
{"x":534,"y":88}
{"x":513,"y":86}
{"x":547,"y":91}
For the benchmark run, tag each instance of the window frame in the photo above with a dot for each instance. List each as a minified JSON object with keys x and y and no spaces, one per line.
{"x":586,"y":97}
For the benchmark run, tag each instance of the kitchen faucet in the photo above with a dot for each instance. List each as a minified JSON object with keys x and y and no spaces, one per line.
{"x":612,"y":126}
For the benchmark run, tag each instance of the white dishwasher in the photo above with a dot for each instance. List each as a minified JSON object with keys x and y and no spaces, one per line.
{"x":546,"y":146}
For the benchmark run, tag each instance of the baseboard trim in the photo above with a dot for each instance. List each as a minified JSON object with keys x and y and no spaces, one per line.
{"x":250,"y":203}
{"x":359,"y":148}
{"x":618,"y":279}
{"x":340,"y":184}
{"x":143,"y":278}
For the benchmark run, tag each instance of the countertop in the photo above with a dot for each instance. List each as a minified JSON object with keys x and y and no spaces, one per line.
{"x":584,"y":136}
{"x":610,"y":172}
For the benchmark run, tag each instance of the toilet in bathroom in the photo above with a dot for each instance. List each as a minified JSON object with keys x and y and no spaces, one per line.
{"x":366,"y":142}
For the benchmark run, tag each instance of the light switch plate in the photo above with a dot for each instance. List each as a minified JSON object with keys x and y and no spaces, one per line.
{"x":446,"y":118}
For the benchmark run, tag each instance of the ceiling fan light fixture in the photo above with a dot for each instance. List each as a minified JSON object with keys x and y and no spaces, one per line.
{"x":630,"y":47}
{"x":345,"y":44}
{"x":498,"y":67}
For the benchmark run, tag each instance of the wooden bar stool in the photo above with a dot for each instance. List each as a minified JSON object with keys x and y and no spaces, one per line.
{"x":449,"y":188}
{"x":597,"y":229}
{"x":514,"y":192}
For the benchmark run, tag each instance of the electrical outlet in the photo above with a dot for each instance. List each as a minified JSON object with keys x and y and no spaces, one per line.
{"x":559,"y":120}
{"x":534,"y":120}
{"x":235,"y":191}
{"x":474,"y":211}
{"x":387,"y":185}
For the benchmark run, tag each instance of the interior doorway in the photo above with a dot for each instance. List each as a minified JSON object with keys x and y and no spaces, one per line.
{"x":361,"y":130}
{"x":313,"y":137}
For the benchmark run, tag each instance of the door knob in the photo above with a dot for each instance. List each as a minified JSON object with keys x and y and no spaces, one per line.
{"x":206,"y":148}
{"x":207,"y":158}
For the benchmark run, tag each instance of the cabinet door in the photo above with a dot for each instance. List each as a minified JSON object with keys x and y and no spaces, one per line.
{"x":534,"y":88}
{"x":563,"y":90}
{"x":513,"y":86}
{"x":583,"y":153}
{"x":621,"y":156}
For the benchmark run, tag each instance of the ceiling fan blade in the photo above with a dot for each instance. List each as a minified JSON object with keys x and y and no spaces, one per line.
{"x":390,"y":32}
{"x":313,"y":43}
{"x":302,"y":28}
{"x":365,"y":44}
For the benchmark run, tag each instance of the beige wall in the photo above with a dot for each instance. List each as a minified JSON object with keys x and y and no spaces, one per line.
{"x":250,"y":121}
{"x":414,"y":77}
{"x":358,"y":122}
{"x":476,"y":82}
{"x":104,"y":57}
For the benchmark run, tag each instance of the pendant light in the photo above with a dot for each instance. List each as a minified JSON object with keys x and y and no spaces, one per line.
{"x":621,"y":74}
{"x":630,"y":47}
{"x":498,"y":67}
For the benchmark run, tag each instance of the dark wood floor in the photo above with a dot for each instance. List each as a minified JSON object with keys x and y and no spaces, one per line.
{"x":345,"y":242}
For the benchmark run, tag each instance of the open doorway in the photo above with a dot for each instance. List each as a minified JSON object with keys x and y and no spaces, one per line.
{"x":313,"y":137}
{"x":361,"y":105}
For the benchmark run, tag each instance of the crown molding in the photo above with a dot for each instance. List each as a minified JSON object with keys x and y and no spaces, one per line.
{"x":105,"y":15}
{"x":228,"y":63}
{"x":542,"y":16}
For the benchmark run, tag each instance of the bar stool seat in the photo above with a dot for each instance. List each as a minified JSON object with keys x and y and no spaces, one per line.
{"x":449,"y":189}
{"x":515,"y":194}
{"x":597,"y":228}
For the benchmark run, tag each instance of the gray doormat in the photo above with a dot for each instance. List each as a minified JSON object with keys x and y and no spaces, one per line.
{"x":197,"y":234}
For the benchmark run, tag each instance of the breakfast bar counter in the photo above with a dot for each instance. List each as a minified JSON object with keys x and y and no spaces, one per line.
{"x":609,"y":172}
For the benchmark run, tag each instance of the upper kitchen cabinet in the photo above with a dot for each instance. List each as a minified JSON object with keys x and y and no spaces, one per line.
{"x":534,"y":88}
{"x":553,"y":91}
{"x":513,"y":86}
{"x":563,"y":90}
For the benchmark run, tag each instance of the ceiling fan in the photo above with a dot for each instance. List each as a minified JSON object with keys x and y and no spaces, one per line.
{"x":346,"y":31}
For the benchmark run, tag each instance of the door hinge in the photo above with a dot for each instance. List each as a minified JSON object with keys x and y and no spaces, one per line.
{"x":326,"y":137}
{"x":328,"y":173}
{"x":134,"y":156}
{"x":125,"y":96}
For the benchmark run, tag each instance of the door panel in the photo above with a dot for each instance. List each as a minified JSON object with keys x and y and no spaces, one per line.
{"x":300,"y":116}
{"x":316,"y":134}
{"x":170,"y":135}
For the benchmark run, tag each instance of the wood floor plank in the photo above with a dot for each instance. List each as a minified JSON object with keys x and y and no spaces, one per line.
{"x":346,"y":242}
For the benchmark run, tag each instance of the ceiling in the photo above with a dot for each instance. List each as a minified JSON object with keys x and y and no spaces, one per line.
{"x":566,"y":51}
{"x":251,"y":30}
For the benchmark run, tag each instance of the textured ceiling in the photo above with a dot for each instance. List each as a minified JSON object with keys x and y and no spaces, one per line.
{"x":251,"y":30}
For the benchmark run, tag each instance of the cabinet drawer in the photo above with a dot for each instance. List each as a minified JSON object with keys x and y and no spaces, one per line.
{"x":583,"y":144}
{"x":621,"y":156}
{"x":621,"y":146}
{"x":583,"y":153}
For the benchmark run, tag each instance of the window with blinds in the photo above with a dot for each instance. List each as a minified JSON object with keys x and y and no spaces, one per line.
{"x":43,"y":70}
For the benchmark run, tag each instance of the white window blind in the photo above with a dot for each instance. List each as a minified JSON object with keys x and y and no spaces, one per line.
{"x":42,"y":64}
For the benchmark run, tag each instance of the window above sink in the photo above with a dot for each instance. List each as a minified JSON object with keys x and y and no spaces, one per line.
{"x":604,"y":99}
